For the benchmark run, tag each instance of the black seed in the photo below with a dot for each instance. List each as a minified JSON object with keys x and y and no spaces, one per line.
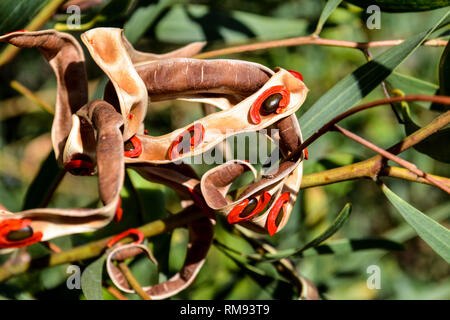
{"x":251,"y":205}
{"x":271,"y":104}
{"x":279,"y":217}
{"x":129,"y":146}
{"x":20,"y":234}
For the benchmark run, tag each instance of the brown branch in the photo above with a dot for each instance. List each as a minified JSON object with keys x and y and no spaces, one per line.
{"x":310,"y":40}
{"x":386,"y":154}
{"x":376,"y":166}
{"x":445,"y":100}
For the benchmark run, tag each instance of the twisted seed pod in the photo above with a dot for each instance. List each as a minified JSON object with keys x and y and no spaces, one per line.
{"x":97,"y":132}
{"x":66,"y":58}
{"x":54,"y":223}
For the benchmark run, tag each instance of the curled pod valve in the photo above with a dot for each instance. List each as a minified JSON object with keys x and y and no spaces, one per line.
{"x":16,"y":233}
{"x":273,"y":100}
{"x":248,"y":208}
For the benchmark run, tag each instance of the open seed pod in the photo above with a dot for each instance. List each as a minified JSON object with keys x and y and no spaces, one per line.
{"x":266,"y":204}
{"x":50,"y":223}
{"x":200,"y":238}
{"x":104,"y":136}
{"x":66,"y":58}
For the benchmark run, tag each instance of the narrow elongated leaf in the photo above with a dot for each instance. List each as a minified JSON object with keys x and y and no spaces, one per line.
{"x":402,"y":5}
{"x":436,"y":145}
{"x":15,"y":14}
{"x":346,"y":246}
{"x":326,"y":12}
{"x":350,"y":90}
{"x":434,"y":234}
{"x":444,"y":71}
{"x":335,"y":226}
{"x":143,"y":18}
{"x":444,"y":81}
{"x":199,"y":23}
{"x":271,"y":282}
{"x":411,"y":85}
{"x":43,"y":183}
{"x":91,"y":279}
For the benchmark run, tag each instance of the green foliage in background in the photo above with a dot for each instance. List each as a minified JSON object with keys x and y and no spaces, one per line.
{"x":401,"y":226}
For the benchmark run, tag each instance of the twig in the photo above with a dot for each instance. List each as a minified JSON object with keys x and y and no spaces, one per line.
{"x":31,"y":96}
{"x":445,"y":100}
{"x":41,"y":18}
{"x":406,"y":164}
{"x":116,"y":293}
{"x":133,"y":282}
{"x":310,"y":40}
{"x":370,"y":169}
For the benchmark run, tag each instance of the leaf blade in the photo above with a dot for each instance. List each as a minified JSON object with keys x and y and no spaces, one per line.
{"x":91,"y":279}
{"x":325,"y":14}
{"x":434,"y":234}
{"x":347,"y":92}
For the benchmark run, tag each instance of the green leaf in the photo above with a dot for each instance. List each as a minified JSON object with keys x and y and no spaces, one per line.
{"x":346,"y":246}
{"x":143,"y":18}
{"x":434,"y":146}
{"x":199,"y":23}
{"x":91,"y":279}
{"x":444,"y":71}
{"x":15,"y":14}
{"x":444,"y":81}
{"x":43,"y":184}
{"x":412,"y":85}
{"x":434,"y":234}
{"x":326,"y":12}
{"x":402,"y":5}
{"x":347,"y":92}
{"x":265,"y":276}
{"x":330,"y":231}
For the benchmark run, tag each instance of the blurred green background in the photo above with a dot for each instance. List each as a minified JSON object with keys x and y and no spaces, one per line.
{"x":416,"y":272}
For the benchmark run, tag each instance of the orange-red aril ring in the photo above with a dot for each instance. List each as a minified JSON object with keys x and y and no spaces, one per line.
{"x":296,"y":74}
{"x":187,"y":141}
{"x":267,"y":99}
{"x":23,"y":30}
{"x":133,"y":147}
{"x":138,"y":233}
{"x":80,"y":165}
{"x":16,"y":233}
{"x":119,"y":211}
{"x":305,"y":151}
{"x":248,"y":208}
{"x":274,"y":212}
